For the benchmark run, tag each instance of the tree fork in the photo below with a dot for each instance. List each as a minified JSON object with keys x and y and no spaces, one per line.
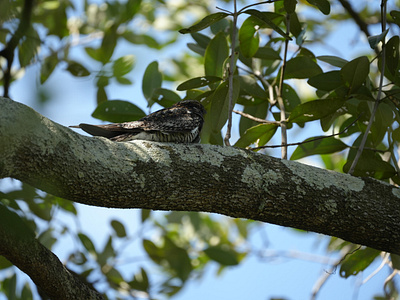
{"x":208,"y":178}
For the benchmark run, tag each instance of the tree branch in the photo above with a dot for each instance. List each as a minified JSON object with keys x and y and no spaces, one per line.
{"x":18,"y":245}
{"x":225,"y":180}
{"x":8,"y":51}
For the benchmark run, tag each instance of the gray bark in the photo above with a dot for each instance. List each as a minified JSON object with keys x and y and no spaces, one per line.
{"x":225,"y":180}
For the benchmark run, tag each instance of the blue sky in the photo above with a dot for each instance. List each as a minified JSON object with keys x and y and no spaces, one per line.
{"x":73,"y":101}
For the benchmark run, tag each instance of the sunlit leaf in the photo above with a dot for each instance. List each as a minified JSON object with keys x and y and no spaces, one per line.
{"x":119,"y":228}
{"x":392,"y":56}
{"x":223,"y":255}
{"x":117,"y":111}
{"x":204,"y":23}
{"x":333,"y":60}
{"x":326,"y":81}
{"x":77,"y":69}
{"x":259,"y":135}
{"x":87,"y":243}
{"x":47,"y":68}
{"x":322,"y":146}
{"x":355,"y":72}
{"x":358,"y":261}
{"x":314,"y":110}
{"x":197,"y":82}
{"x":267,"y":18}
{"x":123,"y":65}
{"x":165,"y":97}
{"x":374,"y":40}
{"x":152,"y":80}
{"x":290,"y":6}
{"x":323,"y":5}
{"x":301,"y":67}
{"x":249,"y":38}
{"x":215,"y":56}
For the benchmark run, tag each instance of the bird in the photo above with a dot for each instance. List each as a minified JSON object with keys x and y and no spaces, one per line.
{"x":180,"y":123}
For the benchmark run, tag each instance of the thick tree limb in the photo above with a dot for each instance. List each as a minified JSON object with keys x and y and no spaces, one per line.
{"x":19,"y":246}
{"x":224,"y":180}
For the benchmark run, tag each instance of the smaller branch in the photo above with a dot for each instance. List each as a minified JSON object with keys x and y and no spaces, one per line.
{"x":254,"y":4}
{"x":8,"y":51}
{"x":231,"y":71}
{"x":280,"y":92}
{"x":322,"y":280}
{"x":378,"y":97}
{"x":312,"y":140}
{"x":385,"y":260}
{"x":255,"y":118}
{"x":356,"y":17}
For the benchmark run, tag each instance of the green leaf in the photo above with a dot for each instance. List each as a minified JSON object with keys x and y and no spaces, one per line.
{"x":249,"y":38}
{"x":145,"y":214}
{"x":197,"y":82}
{"x":326,"y":81}
{"x":323,"y":5}
{"x":267,"y":53}
{"x":4,"y":263}
{"x":218,"y":113}
{"x":178,"y":259}
{"x":204,"y":23}
{"x":87,"y":243}
{"x":396,"y":16}
{"x":315,"y":110}
{"x":77,"y":69}
{"x":395,"y":258}
{"x":14,"y":224}
{"x":29,"y":47}
{"x":301,"y":67}
{"x":374,"y":40}
{"x":323,"y":146}
{"x":355,"y":72}
{"x":108,"y":44}
{"x":141,"y":39}
{"x":258,"y":111}
{"x":223,"y":255}
{"x":47,"y":68}
{"x":165,"y":97}
{"x":267,"y":18}
{"x":215,"y":56}
{"x":290,"y":6}
{"x":333,"y":60}
{"x":358,"y":261}
{"x":140,"y":281}
{"x":119,"y":228}
{"x":152,"y":80}
{"x":370,"y":164}
{"x":248,"y":85}
{"x":118,"y":111}
{"x":201,"y":39}
{"x":392,"y":56}
{"x":290,"y":97}
{"x":123,"y":65}
{"x":259,"y":135}
{"x":152,"y":250}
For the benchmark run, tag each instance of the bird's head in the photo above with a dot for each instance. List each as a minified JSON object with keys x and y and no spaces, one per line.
{"x":192,"y":105}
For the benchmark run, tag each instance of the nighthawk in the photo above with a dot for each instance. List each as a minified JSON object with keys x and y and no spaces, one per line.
{"x":181,"y":123}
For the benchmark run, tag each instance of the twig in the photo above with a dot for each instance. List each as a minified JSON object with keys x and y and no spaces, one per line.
{"x":280,"y":92}
{"x":378,"y":97}
{"x":376,"y":271}
{"x":321,"y":281}
{"x":8,"y":51}
{"x":255,"y":118}
{"x":254,"y":4}
{"x":312,"y":140}
{"x":231,"y":70}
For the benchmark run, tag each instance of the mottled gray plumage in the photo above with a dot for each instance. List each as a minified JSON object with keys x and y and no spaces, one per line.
{"x":181,"y":123}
